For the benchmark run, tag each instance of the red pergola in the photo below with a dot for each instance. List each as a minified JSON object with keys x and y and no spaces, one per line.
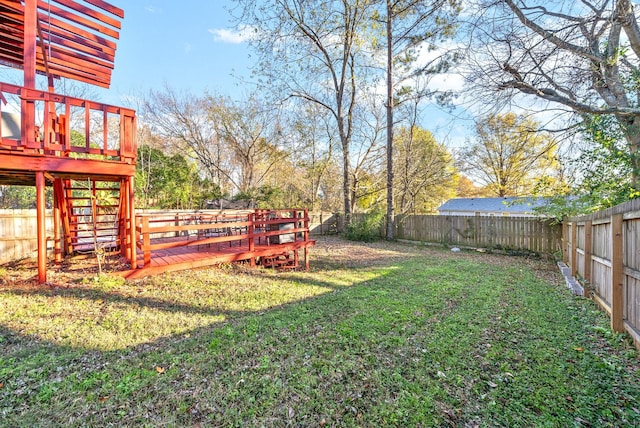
{"x":73,"y":39}
{"x":76,"y":39}
{"x":60,"y":38}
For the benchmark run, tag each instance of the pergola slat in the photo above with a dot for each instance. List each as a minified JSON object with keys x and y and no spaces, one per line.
{"x":103,"y":53}
{"x":107,"y":7}
{"x":66,"y":30}
{"x":78,"y":19}
{"x":78,"y":38}
{"x":89,"y":12}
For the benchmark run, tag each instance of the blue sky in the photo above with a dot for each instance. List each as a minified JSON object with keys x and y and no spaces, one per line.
{"x":181,"y":43}
{"x":189,"y":45}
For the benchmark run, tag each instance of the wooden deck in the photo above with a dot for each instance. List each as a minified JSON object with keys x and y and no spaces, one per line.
{"x":194,"y":257}
{"x":50,"y":139}
{"x":175,"y":242}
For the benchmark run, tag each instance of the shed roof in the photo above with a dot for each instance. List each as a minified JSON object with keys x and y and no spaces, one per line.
{"x":508,"y":205}
{"x":75,"y":39}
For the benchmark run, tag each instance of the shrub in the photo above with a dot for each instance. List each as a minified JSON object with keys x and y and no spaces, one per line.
{"x":366,"y":228}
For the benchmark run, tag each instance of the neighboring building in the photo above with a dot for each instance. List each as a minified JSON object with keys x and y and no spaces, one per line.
{"x":508,"y":207}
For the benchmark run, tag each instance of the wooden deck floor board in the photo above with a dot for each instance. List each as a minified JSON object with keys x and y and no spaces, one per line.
{"x":198,"y":256}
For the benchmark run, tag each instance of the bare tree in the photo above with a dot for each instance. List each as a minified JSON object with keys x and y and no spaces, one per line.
{"x":312,"y":149}
{"x":251,"y":131}
{"x":315,"y":50}
{"x":579,"y":56}
{"x":183,"y":121}
{"x":411,"y":26}
{"x":234,"y":143}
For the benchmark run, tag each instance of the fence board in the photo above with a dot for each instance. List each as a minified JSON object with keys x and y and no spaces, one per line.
{"x":603,"y":260}
{"x":516,"y":233}
{"x":18,"y":231}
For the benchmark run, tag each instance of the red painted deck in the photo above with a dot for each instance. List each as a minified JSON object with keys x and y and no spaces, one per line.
{"x":37,"y":148}
{"x":190,"y":241}
{"x":198,"y":256}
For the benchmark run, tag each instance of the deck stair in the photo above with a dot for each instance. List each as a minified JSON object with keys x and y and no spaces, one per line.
{"x":91,"y":215}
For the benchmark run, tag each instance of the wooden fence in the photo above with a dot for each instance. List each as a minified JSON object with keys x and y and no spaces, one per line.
{"x":603,"y":250}
{"x":513,"y":233}
{"x":18,"y":229}
{"x":18,"y":233}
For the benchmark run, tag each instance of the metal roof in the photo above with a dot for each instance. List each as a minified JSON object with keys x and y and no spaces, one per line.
{"x":75,"y":39}
{"x":508,"y":205}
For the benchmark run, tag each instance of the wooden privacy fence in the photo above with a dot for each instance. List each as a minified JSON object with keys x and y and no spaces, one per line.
{"x":515,"y":233}
{"x":18,"y":229}
{"x":603,"y":250}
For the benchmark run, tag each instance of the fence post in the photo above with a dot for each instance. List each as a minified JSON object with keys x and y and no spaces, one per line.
{"x":574,"y":248}
{"x":617,"y":274}
{"x":588,"y":246}
{"x":565,"y":241}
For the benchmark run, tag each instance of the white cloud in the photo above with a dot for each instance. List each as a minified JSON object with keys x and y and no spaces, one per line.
{"x":231,"y":36}
{"x":152,"y":9}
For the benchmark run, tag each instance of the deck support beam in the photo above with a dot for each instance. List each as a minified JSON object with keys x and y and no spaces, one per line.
{"x":132,"y":222}
{"x":57,"y":239}
{"x":42,"y":230}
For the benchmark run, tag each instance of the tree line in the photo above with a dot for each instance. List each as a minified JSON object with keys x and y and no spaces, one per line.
{"x":334,"y":118}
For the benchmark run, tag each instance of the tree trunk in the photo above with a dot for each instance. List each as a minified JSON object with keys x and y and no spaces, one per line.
{"x":390,"y":202}
{"x":631,"y":127}
{"x":346,"y":169}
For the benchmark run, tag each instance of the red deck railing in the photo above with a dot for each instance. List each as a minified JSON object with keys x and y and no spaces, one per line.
{"x":41,"y":122}
{"x":259,"y":233}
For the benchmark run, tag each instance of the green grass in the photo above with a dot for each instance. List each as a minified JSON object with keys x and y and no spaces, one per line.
{"x":377,"y":335}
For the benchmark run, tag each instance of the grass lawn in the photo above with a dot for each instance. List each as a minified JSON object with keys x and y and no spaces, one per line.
{"x":375,"y":335}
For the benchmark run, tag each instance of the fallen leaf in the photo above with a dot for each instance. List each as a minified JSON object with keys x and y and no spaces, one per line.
{"x":578,"y":349}
{"x":160,"y":370}
{"x":103,"y":399}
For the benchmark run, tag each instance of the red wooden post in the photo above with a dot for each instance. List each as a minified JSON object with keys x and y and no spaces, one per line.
{"x":42,"y":231}
{"x":132,"y":224}
{"x":57,"y":244}
{"x":122,"y":215}
{"x":146,"y":241}
{"x":28,"y":115}
{"x":294,"y":216}
{"x":306,"y":238}
{"x":29,"y":48}
{"x":250,"y":229}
